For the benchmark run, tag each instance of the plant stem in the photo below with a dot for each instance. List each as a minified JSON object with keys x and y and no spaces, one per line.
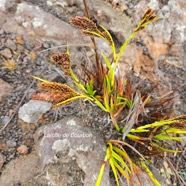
{"x":92,"y":39}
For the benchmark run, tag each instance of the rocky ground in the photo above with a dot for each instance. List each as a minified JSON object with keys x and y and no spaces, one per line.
{"x":30,"y":32}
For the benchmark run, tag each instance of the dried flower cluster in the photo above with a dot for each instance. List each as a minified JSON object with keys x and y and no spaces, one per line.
{"x":90,"y":28}
{"x":55,"y":93}
{"x":148,"y":17}
{"x":63,"y":60}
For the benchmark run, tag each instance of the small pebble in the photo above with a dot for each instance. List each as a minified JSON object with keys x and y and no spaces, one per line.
{"x":1,"y":47}
{"x":46,"y":45}
{"x":10,"y":44}
{"x":2,"y":160}
{"x":6,"y":53}
{"x":1,"y":31}
{"x":22,"y":149}
{"x":11,"y":143}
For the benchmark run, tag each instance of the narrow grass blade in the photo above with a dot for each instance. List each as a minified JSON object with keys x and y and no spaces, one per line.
{"x":40,"y":79}
{"x":166,"y":137}
{"x":119,"y":159}
{"x":98,"y":182}
{"x":69,"y":100}
{"x":165,"y":149}
{"x":147,"y":170}
{"x":114,"y":170}
{"x":121,"y":170}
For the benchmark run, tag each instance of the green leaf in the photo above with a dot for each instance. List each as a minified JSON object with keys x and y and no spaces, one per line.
{"x":131,"y":136}
{"x":114,"y":170}
{"x":138,"y":130}
{"x":98,"y":182}
{"x":111,"y":105}
{"x":40,"y":79}
{"x":157,"y":124}
{"x":147,"y":170}
{"x":107,"y":63}
{"x":166,"y":137}
{"x":80,"y":86}
{"x":121,"y":170}
{"x":124,"y":46}
{"x":100,"y":105}
{"x":175,"y":131}
{"x":89,"y":88}
{"x":108,"y":84}
{"x":70,"y":99}
{"x":119,"y":158}
{"x":73,"y":76}
{"x":113,"y":45}
{"x":165,"y":149}
{"x":125,"y":155}
{"x":106,"y":102}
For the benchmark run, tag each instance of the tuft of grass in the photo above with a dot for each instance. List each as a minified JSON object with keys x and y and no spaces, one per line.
{"x":9,"y":64}
{"x":101,"y":84}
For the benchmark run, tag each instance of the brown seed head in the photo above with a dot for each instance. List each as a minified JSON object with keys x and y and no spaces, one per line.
{"x":63,"y":60}
{"x":49,"y":96}
{"x":57,"y":87}
{"x":84,"y":23}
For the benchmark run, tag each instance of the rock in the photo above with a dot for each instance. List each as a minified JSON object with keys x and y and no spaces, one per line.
{"x":1,"y":31}
{"x":68,"y":140}
{"x":22,"y":149}
{"x":10,"y":44}
{"x":68,"y":153}
{"x":21,"y":170}
{"x":31,"y":111}
{"x":5,"y":89}
{"x":5,"y":119}
{"x":6,"y":53}
{"x":11,"y":143}
{"x":11,"y":6}
{"x":108,"y":17}
{"x":2,"y":5}
{"x":2,"y":160}
{"x":44,"y":24}
{"x":156,"y":49}
{"x":46,"y":45}
{"x":19,"y":39}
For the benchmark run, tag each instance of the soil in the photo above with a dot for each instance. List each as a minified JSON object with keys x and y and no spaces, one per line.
{"x":30,"y":60}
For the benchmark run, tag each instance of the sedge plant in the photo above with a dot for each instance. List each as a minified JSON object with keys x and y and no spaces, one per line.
{"x":112,"y":93}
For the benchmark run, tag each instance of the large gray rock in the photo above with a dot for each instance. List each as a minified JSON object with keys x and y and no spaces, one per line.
{"x":66,"y":153}
{"x":30,"y":112}
{"x":68,"y":140}
{"x":21,"y":170}
{"x":31,"y":21}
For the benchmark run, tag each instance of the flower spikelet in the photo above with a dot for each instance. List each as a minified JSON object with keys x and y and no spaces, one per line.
{"x":90,"y":28}
{"x":49,"y":96}
{"x":63,"y":60}
{"x":147,"y":18}
{"x":55,"y":93}
{"x":57,"y":87}
{"x":84,"y":23}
